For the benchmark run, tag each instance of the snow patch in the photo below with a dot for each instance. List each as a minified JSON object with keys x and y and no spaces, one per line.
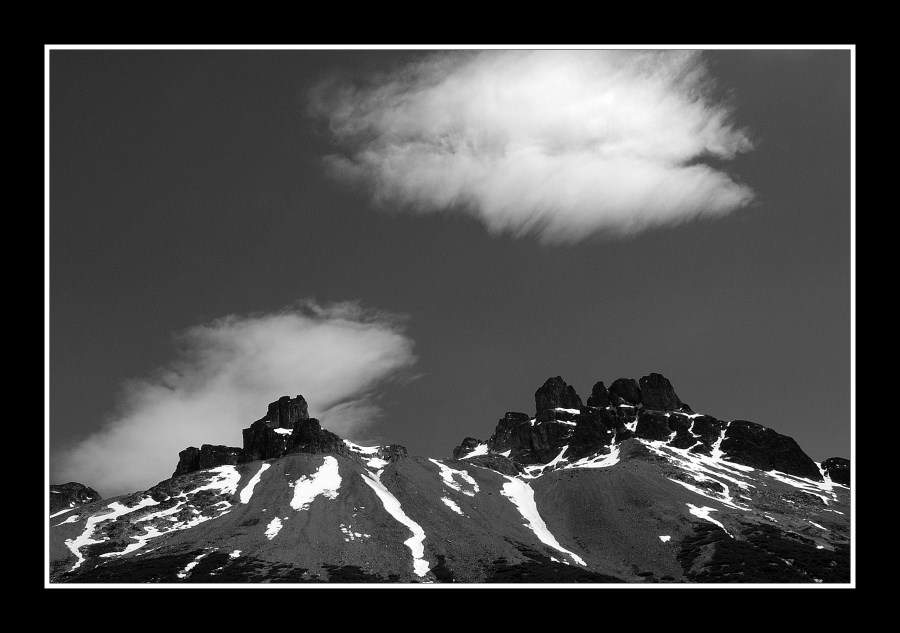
{"x":56,"y":514}
{"x":325,"y":481}
{"x":665,"y":538}
{"x":184,"y":572}
{"x":448,"y":473}
{"x":522,"y":496}
{"x":273,"y":528}
{"x":283,"y":431}
{"x":703,"y":513}
{"x":450,"y":503}
{"x":821,"y":527}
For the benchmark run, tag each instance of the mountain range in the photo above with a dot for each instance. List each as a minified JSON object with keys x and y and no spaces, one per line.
{"x":630,"y":486}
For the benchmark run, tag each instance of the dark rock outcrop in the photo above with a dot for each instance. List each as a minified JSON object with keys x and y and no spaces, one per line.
{"x":71,"y":495}
{"x":599,"y":396}
{"x":656,"y":392}
{"x":556,"y":393}
{"x":262,"y":441}
{"x":652,"y":425}
{"x":755,"y":445}
{"x":310,"y":437}
{"x":467,"y":446}
{"x":193,"y":459}
{"x":392,"y":452}
{"x":838,"y":469}
{"x":593,"y":429}
{"x":627,"y":390}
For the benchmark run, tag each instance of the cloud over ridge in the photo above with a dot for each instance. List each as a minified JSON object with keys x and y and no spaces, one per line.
{"x":225,"y":374}
{"x":558,"y":144}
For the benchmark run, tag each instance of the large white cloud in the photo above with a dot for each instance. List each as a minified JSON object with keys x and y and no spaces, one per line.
{"x":560,"y":144}
{"x":226,"y":374}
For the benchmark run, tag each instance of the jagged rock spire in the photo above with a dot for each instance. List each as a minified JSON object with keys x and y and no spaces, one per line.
{"x":656,"y":392}
{"x":556,"y":393}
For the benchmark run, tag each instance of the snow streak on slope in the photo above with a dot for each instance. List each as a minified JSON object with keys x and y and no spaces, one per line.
{"x":247,"y":492}
{"x":598,"y":460}
{"x":815,"y":488}
{"x":415,"y":543}
{"x":447,"y":474}
{"x":450,"y":503}
{"x":223,"y":479}
{"x":71,"y":519}
{"x":703,"y":513}
{"x":184,"y":572}
{"x":56,"y":514}
{"x":118,"y":510}
{"x":325,"y":481}
{"x":704,"y":469}
{"x":522,"y":496}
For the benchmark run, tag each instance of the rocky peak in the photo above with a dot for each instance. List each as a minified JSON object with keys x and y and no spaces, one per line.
{"x":285,"y":412}
{"x":656,"y":392}
{"x":71,"y":495}
{"x":556,"y":393}
{"x":599,"y":396}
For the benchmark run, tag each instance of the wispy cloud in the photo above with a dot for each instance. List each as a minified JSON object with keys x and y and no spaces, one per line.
{"x":227,"y":372}
{"x":559,"y":144}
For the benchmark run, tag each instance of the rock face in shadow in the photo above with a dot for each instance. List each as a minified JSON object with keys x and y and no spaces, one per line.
{"x":755,"y":445}
{"x":838,"y":469}
{"x":193,"y":459}
{"x":71,"y":495}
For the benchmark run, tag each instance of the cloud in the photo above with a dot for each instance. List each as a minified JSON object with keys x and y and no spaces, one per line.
{"x":225,"y":375}
{"x":558,"y":144}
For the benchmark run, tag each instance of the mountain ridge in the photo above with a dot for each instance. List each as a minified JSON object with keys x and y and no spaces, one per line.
{"x":614,"y":490}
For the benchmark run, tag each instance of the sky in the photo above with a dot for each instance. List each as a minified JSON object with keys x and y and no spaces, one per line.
{"x":415,"y":240}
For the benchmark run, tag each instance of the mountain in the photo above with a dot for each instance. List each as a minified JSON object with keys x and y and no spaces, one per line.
{"x":630,"y":487}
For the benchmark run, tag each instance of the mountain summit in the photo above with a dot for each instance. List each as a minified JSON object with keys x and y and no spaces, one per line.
{"x":632,"y":486}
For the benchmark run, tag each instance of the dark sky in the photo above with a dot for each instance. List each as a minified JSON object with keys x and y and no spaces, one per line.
{"x":187,"y":185}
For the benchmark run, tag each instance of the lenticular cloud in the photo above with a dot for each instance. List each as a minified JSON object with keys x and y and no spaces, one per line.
{"x":227,"y":371}
{"x":559,"y":144}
